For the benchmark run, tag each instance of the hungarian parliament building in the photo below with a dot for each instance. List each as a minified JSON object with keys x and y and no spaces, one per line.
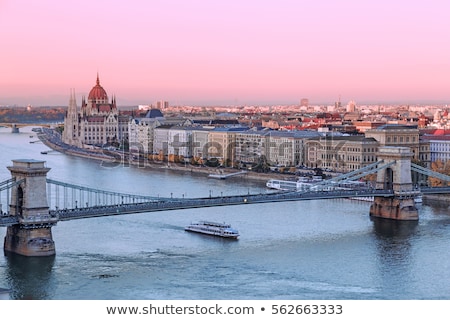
{"x":98,"y":122}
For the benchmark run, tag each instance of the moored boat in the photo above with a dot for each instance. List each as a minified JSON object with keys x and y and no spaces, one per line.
{"x":302,"y":184}
{"x":417,"y":199}
{"x":218,"y":229}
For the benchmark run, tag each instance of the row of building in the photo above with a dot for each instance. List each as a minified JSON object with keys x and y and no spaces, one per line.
{"x":238,"y":146}
{"x":99,"y":123}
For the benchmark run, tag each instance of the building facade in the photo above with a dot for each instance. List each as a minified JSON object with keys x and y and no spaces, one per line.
{"x":439,"y":147}
{"x":200,"y":143}
{"x":140,"y":131}
{"x":397,"y":136}
{"x":251,"y":145}
{"x":287,"y":148}
{"x":98,"y":121}
{"x":179,"y":146}
{"x":160,"y":142}
{"x":342,"y":153}
{"x":222,"y":144}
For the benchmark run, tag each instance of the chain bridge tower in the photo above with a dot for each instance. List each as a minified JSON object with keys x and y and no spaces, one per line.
{"x":396,"y":177}
{"x":32,"y":236}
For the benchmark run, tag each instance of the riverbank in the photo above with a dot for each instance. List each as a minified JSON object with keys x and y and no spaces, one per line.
{"x":110,"y":158}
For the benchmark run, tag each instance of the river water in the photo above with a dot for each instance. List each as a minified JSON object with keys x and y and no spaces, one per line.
{"x":321,"y":249}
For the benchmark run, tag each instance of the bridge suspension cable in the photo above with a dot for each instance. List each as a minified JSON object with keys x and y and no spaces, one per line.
{"x":355,"y":175}
{"x":430,"y":173}
{"x":62,"y":195}
{"x":7,"y":185}
{"x":365,"y":173}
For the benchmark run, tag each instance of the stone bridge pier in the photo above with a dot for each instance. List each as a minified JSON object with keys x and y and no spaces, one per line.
{"x":33,"y":235}
{"x":396,"y":177}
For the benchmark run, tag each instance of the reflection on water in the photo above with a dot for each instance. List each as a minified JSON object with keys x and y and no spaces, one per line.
{"x":394,"y":239}
{"x":393,"y":229}
{"x":394,"y":246}
{"x":29,"y":277}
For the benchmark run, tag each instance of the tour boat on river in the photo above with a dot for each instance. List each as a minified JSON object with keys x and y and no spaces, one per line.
{"x":218,"y":229}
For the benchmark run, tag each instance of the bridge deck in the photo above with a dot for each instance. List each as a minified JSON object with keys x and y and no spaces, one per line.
{"x":186,"y":203}
{"x":189,"y":203}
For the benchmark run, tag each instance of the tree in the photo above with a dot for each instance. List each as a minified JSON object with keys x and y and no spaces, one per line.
{"x":319,"y":172}
{"x":212,"y":162}
{"x":440,"y":167}
{"x":262,"y":165}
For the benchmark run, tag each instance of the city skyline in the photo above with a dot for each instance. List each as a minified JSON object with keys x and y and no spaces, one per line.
{"x":227,"y":53}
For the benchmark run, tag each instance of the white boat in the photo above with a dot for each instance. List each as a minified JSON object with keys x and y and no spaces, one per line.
{"x":302,"y":184}
{"x":218,"y":229}
{"x":417,"y":199}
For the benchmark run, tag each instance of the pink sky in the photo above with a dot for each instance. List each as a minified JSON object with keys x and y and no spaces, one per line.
{"x":231,"y":52}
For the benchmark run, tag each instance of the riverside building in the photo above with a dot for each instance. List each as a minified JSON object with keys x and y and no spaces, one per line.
{"x":341,"y":153}
{"x":398,"y":136}
{"x":97,"y":122}
{"x":141,"y":131}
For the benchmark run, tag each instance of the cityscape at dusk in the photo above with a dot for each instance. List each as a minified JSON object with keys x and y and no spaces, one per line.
{"x":226,"y":53}
{"x":172,"y":153}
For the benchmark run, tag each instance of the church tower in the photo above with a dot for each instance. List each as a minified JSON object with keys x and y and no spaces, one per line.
{"x":71,"y":121}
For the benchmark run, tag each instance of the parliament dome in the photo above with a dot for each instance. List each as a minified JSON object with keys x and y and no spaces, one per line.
{"x":97,"y":93}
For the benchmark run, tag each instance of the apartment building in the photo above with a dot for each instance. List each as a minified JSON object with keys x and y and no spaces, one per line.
{"x":222,"y":144}
{"x":341,"y":153}
{"x":179,"y":143}
{"x":439,"y":147}
{"x":200,"y":140}
{"x":160,"y":141}
{"x":287,"y":148}
{"x":251,"y":145}
{"x":141,"y":131}
{"x":398,"y":136}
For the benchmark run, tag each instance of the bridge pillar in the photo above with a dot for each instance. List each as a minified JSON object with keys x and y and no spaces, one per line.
{"x":396,"y":177}
{"x":33,"y":235}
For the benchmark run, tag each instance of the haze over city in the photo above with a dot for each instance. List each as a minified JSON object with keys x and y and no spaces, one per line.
{"x":225,"y":52}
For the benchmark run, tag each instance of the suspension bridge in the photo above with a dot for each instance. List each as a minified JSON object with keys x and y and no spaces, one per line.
{"x":16,"y":126}
{"x":31,"y":204}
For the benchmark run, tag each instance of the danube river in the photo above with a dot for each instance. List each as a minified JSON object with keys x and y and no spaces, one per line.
{"x":321,"y":249}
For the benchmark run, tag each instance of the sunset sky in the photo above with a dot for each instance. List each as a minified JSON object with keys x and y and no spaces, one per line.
{"x":233,"y":52}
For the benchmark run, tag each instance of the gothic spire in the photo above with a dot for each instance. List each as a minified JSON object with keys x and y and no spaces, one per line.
{"x":72,"y":100}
